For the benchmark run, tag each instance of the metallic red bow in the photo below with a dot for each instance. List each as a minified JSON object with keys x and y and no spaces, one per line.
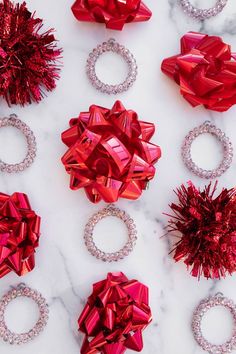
{"x":205,"y":70}
{"x":109,"y":153}
{"x":19,"y":234}
{"x":115,"y":315}
{"x":114,"y":13}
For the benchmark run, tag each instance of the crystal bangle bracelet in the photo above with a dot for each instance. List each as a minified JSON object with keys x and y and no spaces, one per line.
{"x":110,"y":210}
{"x":204,"y":306}
{"x":202,"y":14}
{"x":111,"y":46}
{"x":209,"y":128}
{"x":13,"y":121}
{"x":21,"y":338}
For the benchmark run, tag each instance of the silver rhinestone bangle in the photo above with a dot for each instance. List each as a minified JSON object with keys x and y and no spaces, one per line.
{"x":203,"y":307}
{"x":21,"y":338}
{"x":110,"y":210}
{"x":202,"y":14}
{"x":111,"y":46}
{"x":209,"y":128}
{"x":13,"y":121}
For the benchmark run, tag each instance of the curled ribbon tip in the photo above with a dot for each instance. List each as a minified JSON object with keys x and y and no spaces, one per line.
{"x":114,"y":13}
{"x":115,"y":315}
{"x":205,"y":70}
{"x":109,"y":153}
{"x":19,"y":234}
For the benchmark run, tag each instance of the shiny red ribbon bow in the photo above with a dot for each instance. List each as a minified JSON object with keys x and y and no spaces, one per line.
{"x":19,"y":234}
{"x":115,"y":315}
{"x":205,"y":70}
{"x":114,"y":13}
{"x":109,"y":153}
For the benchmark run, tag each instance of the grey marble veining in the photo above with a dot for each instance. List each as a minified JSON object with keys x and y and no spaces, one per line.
{"x":65,"y":271}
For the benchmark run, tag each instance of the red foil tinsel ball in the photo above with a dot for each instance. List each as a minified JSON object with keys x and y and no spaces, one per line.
{"x":109,"y":153}
{"x":114,"y":13}
{"x":205,"y":70}
{"x":115,"y":315}
{"x":19,"y":234}
{"x":207,"y":228}
{"x":27,"y":56}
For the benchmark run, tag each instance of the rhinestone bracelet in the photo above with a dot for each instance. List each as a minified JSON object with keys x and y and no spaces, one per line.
{"x":13,"y":121}
{"x":111,"y":46}
{"x":209,"y":128}
{"x":204,"y":306}
{"x":21,"y":338}
{"x":110,"y":210}
{"x":202,"y":14}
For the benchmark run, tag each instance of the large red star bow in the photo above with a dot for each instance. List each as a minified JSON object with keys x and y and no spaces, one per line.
{"x":205,"y":70}
{"x":109,"y":153}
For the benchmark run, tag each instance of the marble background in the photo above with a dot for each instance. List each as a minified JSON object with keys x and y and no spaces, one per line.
{"x":64,"y":270}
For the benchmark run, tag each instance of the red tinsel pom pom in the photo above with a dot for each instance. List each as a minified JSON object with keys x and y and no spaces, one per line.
{"x":109,"y":153}
{"x":114,"y":13}
{"x":19,"y":234}
{"x":207,"y":228}
{"x":115,"y":315}
{"x":205,"y":70}
{"x":27,"y":57}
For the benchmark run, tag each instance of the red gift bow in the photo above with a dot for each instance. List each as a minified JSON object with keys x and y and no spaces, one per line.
{"x":109,"y":153}
{"x":114,"y":13}
{"x":19,"y":234}
{"x":205,"y":70}
{"x":115,"y":315}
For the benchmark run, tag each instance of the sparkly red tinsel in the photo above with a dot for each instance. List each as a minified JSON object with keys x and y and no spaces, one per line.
{"x":27,"y":56}
{"x":207,"y":227}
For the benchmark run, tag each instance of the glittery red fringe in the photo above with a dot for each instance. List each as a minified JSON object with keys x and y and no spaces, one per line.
{"x":28,"y":57}
{"x":207,"y":230}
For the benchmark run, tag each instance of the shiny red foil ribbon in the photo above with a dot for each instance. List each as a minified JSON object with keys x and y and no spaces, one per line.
{"x":205,"y":225}
{"x":115,"y":315}
{"x":205,"y":70}
{"x":19,"y":234}
{"x":110,"y":154}
{"x":114,"y":13}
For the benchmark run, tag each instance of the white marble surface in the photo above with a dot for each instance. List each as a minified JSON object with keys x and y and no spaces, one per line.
{"x":64,"y":270}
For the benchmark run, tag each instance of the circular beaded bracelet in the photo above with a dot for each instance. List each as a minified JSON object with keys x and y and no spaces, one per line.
{"x":209,"y":128}
{"x":21,"y":338}
{"x":13,"y":121}
{"x":202,"y":14}
{"x":111,"y":46}
{"x":204,"y":306}
{"x":110,"y":210}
